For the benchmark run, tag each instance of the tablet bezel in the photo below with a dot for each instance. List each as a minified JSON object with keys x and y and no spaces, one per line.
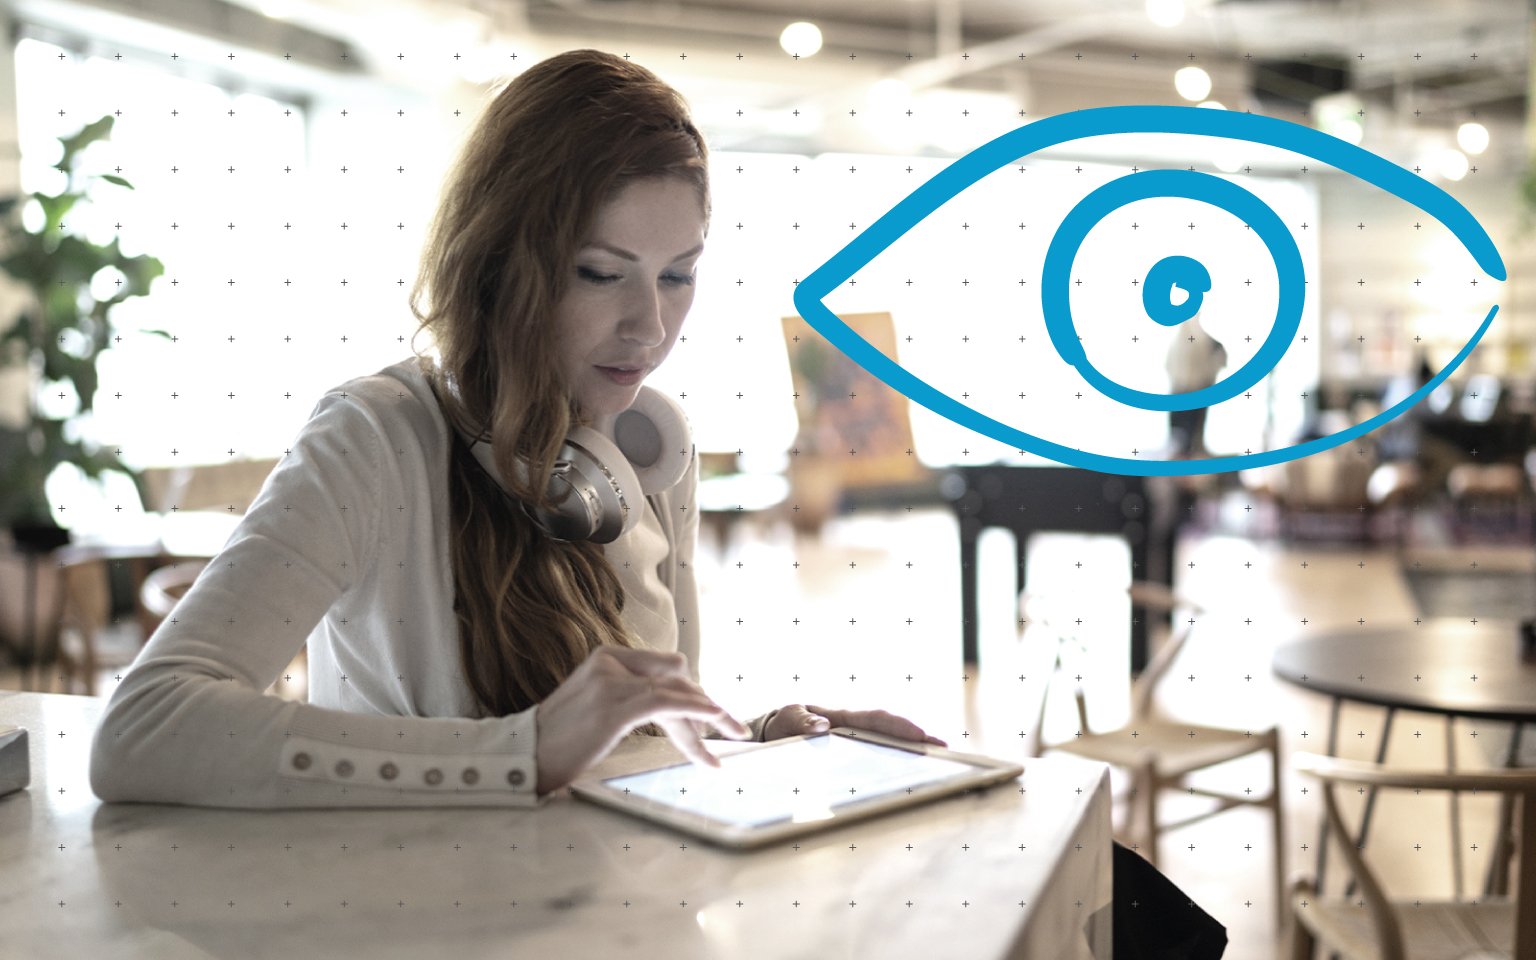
{"x":987,"y":771}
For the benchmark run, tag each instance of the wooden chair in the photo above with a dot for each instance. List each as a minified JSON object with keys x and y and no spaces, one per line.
{"x":227,"y":488}
{"x":165,"y":586}
{"x":84,"y":619}
{"x":1374,"y":927}
{"x":1160,"y":753}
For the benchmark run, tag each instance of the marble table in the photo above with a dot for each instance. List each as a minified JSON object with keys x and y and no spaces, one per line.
{"x":1018,"y":870}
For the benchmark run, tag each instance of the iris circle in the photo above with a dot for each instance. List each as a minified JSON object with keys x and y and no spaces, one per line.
{"x":1055,"y":283}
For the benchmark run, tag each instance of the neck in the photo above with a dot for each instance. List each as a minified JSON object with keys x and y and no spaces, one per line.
{"x":604,"y":424}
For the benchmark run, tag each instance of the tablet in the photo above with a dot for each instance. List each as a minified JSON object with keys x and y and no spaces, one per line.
{"x":785,"y":788}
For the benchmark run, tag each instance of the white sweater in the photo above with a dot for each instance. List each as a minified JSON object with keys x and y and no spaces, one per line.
{"x":347,"y":547}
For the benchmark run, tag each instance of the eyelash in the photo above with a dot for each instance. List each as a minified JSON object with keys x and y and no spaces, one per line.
{"x":592,"y":276}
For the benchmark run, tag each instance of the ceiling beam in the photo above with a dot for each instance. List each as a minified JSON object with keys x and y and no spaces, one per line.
{"x":678,"y":19}
{"x":1016,"y":48}
{"x":207,"y":22}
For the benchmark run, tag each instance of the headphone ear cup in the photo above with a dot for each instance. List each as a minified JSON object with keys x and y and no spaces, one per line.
{"x":600,"y":483}
{"x":596,"y":491}
{"x":602,"y":480}
{"x":654,"y":437}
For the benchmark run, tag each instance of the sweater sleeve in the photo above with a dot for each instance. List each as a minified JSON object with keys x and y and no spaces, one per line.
{"x":190,"y":722}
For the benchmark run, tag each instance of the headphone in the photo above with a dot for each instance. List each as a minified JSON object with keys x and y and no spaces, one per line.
{"x":599,"y":480}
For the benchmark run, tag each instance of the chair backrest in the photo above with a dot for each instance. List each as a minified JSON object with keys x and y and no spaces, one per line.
{"x":1035,"y":617}
{"x":165,"y":586}
{"x":1332,"y":478}
{"x":87,"y":593}
{"x":1148,"y":600}
{"x":1520,"y":785}
{"x":210,"y":486}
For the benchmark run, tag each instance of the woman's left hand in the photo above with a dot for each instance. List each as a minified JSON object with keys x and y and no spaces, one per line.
{"x":798,"y":718}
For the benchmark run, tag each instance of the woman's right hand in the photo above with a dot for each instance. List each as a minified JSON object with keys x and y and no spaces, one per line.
{"x":613,"y":691}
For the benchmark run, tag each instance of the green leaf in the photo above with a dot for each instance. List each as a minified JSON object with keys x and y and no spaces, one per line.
{"x":29,"y":261}
{"x":57,"y":265}
{"x":141,"y":271}
{"x":157,"y":333}
{"x":99,"y":129}
{"x":55,"y":209}
{"x":86,"y":380}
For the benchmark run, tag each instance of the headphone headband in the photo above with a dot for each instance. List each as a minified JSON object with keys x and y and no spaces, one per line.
{"x":599,"y":480}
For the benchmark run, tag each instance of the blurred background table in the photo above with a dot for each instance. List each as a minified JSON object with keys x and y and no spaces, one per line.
{"x":1026,"y":500}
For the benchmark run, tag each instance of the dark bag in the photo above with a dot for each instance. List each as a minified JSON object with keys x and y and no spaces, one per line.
{"x":1154,"y":920}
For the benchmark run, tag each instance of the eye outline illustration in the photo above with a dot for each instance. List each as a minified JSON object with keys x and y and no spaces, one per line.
{"x":1025,"y":140}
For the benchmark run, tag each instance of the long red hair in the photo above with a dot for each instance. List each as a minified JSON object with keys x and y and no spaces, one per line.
{"x":550,"y":149}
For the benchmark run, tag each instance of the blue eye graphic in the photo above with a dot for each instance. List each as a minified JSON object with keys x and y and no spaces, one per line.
{"x":1166,"y":274}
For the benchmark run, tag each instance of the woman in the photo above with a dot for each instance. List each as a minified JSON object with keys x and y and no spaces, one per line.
{"x":475,"y":637}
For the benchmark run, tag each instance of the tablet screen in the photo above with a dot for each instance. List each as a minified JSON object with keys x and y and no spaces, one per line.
{"x":800,"y":781}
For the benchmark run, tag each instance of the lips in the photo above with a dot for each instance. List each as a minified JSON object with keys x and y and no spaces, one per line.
{"x":622,"y":376}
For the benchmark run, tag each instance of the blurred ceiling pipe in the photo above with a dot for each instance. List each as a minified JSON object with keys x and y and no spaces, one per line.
{"x":733,"y":23}
{"x":943,"y":68}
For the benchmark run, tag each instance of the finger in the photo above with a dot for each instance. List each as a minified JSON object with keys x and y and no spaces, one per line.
{"x":688,"y":742}
{"x":719,"y":718}
{"x":676,"y":697}
{"x":796,"y":720}
{"x":878,"y":721}
{"x":813,"y":722}
{"x":839,"y":718}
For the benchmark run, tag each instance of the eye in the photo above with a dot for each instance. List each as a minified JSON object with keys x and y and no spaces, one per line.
{"x":1067,"y":335}
{"x":593,"y":276}
{"x":679,"y":279}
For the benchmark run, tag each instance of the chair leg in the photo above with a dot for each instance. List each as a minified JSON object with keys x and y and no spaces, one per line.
{"x":1300,"y":943}
{"x":1147,"y":787}
{"x":1276,"y":812}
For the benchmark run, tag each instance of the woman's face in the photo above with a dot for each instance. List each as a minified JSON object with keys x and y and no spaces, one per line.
{"x":632,"y":287}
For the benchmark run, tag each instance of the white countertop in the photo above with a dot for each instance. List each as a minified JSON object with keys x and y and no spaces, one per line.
{"x":1021,"y":869}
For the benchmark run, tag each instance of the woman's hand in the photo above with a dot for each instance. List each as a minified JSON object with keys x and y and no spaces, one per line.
{"x":613,"y":691}
{"x":798,"y":718}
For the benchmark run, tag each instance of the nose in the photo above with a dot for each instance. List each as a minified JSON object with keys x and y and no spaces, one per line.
{"x":642,"y":322}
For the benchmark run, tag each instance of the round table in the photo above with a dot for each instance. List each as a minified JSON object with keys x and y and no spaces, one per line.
{"x":1449,"y":667}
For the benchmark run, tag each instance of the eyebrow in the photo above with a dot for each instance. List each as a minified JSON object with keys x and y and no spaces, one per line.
{"x":618,"y":252}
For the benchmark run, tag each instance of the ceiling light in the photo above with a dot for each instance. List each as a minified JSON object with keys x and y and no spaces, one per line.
{"x":1348,"y":128}
{"x":1192,"y":83}
{"x":1165,"y":13}
{"x":1226,"y":158}
{"x":801,"y":38}
{"x":1473,"y":137}
{"x":889,"y":92}
{"x":1452,"y":164}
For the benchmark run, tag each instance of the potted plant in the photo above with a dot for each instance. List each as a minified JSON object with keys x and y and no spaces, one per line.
{"x":55,"y":340}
